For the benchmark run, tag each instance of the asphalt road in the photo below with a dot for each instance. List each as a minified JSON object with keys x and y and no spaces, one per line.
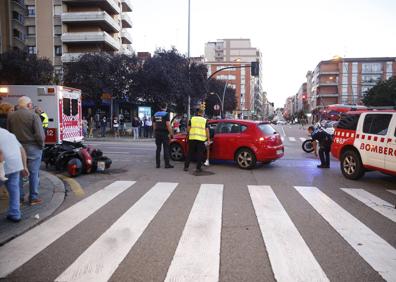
{"x":285,"y":221}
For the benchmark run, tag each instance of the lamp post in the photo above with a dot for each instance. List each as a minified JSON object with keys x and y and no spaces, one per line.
{"x":188,"y":55}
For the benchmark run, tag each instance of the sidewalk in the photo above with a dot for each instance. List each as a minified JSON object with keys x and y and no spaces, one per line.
{"x":52,"y":192}
{"x":118,"y":139}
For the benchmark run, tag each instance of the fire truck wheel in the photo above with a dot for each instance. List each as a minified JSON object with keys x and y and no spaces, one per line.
{"x":351,"y":165}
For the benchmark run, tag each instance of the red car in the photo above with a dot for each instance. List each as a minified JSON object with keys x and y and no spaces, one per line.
{"x":243,"y":141}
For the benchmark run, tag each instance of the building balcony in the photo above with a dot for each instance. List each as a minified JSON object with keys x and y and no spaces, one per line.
{"x":91,"y":37}
{"x":102,"y":19}
{"x":71,"y":57}
{"x":126,"y":37}
{"x":20,"y":3}
{"x":126,"y":21}
{"x":110,"y":6}
{"x":327,"y":95}
{"x":126,"y":5}
{"x":328,"y":83}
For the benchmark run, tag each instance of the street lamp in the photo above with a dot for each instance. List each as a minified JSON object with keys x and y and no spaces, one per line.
{"x":188,"y":55}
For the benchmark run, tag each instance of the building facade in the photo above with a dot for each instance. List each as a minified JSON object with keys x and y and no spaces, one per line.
{"x":63,"y":30}
{"x":12,"y":25}
{"x":346,"y":80}
{"x":239,"y":53}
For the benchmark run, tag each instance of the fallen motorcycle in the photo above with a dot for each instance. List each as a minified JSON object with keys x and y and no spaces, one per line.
{"x":76,"y":158}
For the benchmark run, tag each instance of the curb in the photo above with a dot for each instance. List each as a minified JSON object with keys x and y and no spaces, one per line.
{"x":44,"y":211}
{"x":122,"y":139}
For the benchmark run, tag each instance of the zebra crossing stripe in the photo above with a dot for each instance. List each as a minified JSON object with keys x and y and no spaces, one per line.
{"x":303,"y":139}
{"x":197,"y":257}
{"x":383,"y":207}
{"x":20,"y":250}
{"x":104,"y":256}
{"x":292,"y":139}
{"x":392,"y":191}
{"x":290,"y":257}
{"x":373,"y":249}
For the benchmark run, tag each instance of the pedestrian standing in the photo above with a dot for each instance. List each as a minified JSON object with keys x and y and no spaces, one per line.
{"x":85,"y":127}
{"x":103,"y":125}
{"x":121,"y":120}
{"x":325,"y":141}
{"x":198,"y":134}
{"x":135,"y":127}
{"x":28,"y":129}
{"x":91,"y":125}
{"x":149,"y":124}
{"x":15,"y":162}
{"x":162,"y":133}
{"x":116,"y":126}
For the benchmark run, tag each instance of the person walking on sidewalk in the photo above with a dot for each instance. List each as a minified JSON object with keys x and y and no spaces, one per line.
{"x":27,"y":127}
{"x":103,"y":125}
{"x":198,"y":134}
{"x":162,"y":133}
{"x":116,"y":126}
{"x":14,"y":157}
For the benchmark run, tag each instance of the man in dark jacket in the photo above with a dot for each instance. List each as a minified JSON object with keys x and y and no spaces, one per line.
{"x":28,"y":129}
{"x":162,"y":133}
{"x":325,"y":141}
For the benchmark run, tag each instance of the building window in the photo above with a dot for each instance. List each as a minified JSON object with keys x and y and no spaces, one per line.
{"x":389,"y":70}
{"x":371,"y":67}
{"x":31,"y":30}
{"x":58,"y":50}
{"x":57,"y":10}
{"x":17,"y":34}
{"x":17,"y":16}
{"x":31,"y":11}
{"x":58,"y":30}
{"x":32,"y":49}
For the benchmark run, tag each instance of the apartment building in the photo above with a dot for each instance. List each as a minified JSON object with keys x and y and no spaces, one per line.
{"x":12,"y":25}
{"x":239,"y":53}
{"x":346,"y":80}
{"x":63,"y":30}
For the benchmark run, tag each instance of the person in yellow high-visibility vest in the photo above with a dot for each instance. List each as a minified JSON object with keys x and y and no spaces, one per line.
{"x":198,"y":134}
{"x":44,"y":118}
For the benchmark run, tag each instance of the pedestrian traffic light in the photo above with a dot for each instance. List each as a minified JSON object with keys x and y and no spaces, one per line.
{"x":203,"y":106}
{"x":254,"y":68}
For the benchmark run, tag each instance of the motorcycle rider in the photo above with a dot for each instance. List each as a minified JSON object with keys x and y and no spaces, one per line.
{"x":325,"y":141}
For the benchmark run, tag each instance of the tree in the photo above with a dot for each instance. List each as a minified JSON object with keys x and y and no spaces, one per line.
{"x":382,"y":94}
{"x":18,"y":67}
{"x":100,"y":73}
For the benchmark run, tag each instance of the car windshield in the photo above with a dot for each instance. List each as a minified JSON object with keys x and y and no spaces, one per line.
{"x":266,"y":129}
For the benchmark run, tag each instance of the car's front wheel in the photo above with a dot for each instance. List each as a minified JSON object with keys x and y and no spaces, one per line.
{"x":245,"y":158}
{"x":176,"y":152}
{"x":351,"y":165}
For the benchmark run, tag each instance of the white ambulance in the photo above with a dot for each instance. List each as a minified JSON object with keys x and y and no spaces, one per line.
{"x":62,"y":105}
{"x":364,"y":141}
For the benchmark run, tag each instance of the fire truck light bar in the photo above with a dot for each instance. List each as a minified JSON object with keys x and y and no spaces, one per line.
{"x":3,"y":90}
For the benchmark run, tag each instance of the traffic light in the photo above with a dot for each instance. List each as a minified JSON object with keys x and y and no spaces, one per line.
{"x":254,"y":68}
{"x":203,"y":106}
{"x":304,"y":97}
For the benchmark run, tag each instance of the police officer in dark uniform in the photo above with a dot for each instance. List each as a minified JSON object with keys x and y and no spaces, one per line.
{"x":162,"y":133}
{"x":325,"y":141}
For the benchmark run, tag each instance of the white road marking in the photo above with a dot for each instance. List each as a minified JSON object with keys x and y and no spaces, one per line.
{"x":197,"y":257}
{"x":392,"y":191}
{"x":383,"y":207}
{"x":290,"y":257}
{"x":378,"y":253}
{"x":292,"y":139}
{"x":104,"y":256}
{"x":20,"y":250}
{"x":284,"y":133}
{"x":303,"y":139}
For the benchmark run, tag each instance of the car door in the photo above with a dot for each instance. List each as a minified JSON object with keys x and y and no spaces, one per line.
{"x":374,"y":134}
{"x":226,"y":140}
{"x":390,"y":154}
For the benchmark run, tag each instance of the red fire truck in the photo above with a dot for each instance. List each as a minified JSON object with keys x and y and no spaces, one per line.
{"x":62,"y":105}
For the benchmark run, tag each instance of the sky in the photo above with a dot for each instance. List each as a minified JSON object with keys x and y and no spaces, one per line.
{"x":293,"y":35}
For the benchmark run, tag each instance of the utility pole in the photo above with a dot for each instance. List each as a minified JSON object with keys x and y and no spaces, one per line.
{"x":188,"y":55}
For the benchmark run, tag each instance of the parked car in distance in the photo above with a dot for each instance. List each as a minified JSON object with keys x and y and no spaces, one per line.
{"x":243,"y":141}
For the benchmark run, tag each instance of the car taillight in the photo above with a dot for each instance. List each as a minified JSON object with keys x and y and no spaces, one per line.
{"x":272,"y":139}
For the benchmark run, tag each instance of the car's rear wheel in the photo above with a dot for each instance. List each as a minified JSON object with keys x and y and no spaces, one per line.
{"x":176,"y":152}
{"x":245,"y":158}
{"x":351,"y":165}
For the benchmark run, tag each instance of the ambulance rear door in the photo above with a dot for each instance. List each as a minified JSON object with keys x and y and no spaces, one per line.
{"x":70,"y":115}
{"x":390,"y":156}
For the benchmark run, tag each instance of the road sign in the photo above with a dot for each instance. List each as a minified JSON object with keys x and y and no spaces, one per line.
{"x":216,"y":107}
